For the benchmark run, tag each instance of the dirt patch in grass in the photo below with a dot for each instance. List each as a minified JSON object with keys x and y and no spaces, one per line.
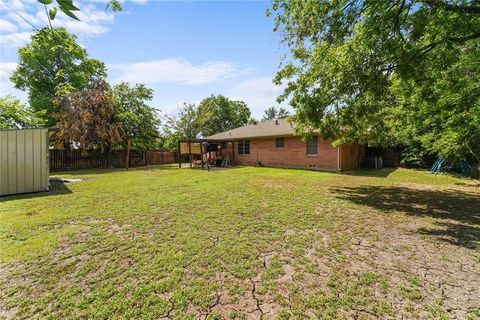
{"x":290,"y":246}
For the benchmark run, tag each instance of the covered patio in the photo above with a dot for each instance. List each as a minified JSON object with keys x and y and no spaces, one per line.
{"x":206,"y":154}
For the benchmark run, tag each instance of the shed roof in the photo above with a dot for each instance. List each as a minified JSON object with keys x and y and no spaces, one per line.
{"x":264,"y":129}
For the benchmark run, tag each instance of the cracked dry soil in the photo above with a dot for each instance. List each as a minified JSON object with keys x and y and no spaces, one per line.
{"x":365,"y":252}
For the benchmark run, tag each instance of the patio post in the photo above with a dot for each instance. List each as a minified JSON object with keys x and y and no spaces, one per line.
{"x":201,"y":154}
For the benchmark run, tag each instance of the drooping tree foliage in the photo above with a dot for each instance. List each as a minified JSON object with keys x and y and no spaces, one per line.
{"x":138,"y":120}
{"x":88,"y":120}
{"x":16,"y":115}
{"x":53,"y":65}
{"x":273,"y":113}
{"x":385,"y":71}
{"x":218,"y":113}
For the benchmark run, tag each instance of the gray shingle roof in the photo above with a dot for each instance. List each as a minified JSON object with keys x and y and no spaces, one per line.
{"x":265,"y":129}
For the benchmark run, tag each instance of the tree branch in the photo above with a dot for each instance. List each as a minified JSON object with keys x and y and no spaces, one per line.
{"x":397,"y":20}
{"x":467,"y":9}
{"x":432,"y":45}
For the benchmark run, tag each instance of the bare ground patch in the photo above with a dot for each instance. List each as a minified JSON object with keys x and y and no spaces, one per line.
{"x":347,"y":252}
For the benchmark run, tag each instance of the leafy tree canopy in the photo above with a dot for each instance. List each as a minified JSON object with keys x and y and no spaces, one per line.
{"x":273,"y":113}
{"x":384,"y":71}
{"x":183,"y":125}
{"x":53,"y":65}
{"x":88,"y":120}
{"x":138,"y":120}
{"x":441,"y":113}
{"x":218,"y":113}
{"x":16,"y":115}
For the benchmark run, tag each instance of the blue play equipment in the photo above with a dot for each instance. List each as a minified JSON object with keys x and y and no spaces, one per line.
{"x":437,"y":165}
{"x":441,"y":165}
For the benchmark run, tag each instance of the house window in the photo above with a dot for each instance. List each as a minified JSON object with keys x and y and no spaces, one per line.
{"x":244,"y":147}
{"x":312,"y":146}
{"x":280,"y":143}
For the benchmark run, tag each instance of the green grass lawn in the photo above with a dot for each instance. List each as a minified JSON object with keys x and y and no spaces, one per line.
{"x":243,"y":243}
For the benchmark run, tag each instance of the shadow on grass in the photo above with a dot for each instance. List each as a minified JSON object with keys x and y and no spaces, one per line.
{"x":56,"y":188}
{"x":456,"y":213}
{"x":96,"y":171}
{"x":473,"y":184}
{"x":375,"y":173}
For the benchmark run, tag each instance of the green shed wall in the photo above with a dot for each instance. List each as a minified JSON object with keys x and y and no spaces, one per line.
{"x":23,"y":161}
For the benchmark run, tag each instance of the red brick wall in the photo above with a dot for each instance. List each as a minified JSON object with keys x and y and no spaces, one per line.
{"x":294,"y":154}
{"x":226,"y":151}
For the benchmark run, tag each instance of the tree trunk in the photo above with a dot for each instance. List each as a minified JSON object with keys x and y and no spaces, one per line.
{"x":475,"y":171}
{"x":107,"y":157}
{"x":127,"y":160}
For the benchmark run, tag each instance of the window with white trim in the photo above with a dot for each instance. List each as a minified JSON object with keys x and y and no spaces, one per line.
{"x":244,"y":147}
{"x":280,"y":143}
{"x":312,"y":146}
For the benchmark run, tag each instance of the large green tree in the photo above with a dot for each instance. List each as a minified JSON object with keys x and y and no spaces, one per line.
{"x":53,"y":64}
{"x":441,"y":112}
{"x":218,"y":113}
{"x":16,"y":115}
{"x":384,"y":71}
{"x":138,"y":120}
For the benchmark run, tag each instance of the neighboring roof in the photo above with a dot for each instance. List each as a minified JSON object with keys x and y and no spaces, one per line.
{"x":271,"y":128}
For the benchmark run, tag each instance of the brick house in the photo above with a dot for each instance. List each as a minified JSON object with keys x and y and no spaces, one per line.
{"x":273,"y":143}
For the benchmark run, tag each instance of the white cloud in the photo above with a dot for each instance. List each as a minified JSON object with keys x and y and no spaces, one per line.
{"x":6,"y":69}
{"x":12,"y":4}
{"x":6,"y":87}
{"x":92,"y":21}
{"x":18,"y":16}
{"x":138,"y":1}
{"x":7,"y":26}
{"x":14,"y":40}
{"x":258,"y":93}
{"x":121,"y":1}
{"x":175,"y":71}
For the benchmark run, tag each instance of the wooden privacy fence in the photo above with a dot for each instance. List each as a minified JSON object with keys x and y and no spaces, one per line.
{"x":160,"y":157}
{"x":390,"y":156}
{"x":74,"y":159}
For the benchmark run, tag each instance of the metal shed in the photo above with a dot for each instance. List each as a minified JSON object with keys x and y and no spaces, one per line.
{"x":23,"y":161}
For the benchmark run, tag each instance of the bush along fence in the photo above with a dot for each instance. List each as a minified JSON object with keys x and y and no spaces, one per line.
{"x":74,"y":159}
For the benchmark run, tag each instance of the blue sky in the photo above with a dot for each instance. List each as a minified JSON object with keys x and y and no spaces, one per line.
{"x":184,"y":50}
